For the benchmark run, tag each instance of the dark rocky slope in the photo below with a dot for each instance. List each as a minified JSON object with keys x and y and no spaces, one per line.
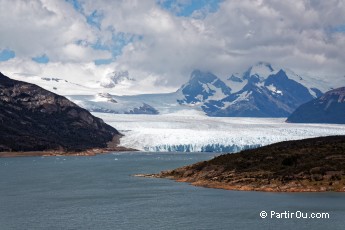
{"x":316,"y":164}
{"x":34,"y":119}
{"x":329,"y":108}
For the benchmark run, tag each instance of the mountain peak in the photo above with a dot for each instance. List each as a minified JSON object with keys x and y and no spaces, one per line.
{"x":235,"y":78}
{"x":281,"y":73}
{"x":202,"y":76}
{"x":338,"y":94}
{"x":203,"y":86}
{"x":262,"y":69}
{"x":265,"y":64}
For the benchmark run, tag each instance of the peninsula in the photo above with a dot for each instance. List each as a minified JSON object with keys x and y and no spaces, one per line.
{"x":309,"y":165}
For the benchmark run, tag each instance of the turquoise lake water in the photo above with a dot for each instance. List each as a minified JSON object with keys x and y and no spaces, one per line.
{"x":101,"y":193}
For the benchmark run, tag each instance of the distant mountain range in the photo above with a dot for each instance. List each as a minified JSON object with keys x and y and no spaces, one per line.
{"x":329,"y":108}
{"x":262,"y":90}
{"x":34,"y":119}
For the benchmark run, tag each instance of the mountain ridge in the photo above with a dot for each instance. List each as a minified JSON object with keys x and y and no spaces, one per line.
{"x":329,"y":108}
{"x":262,"y":90}
{"x":272,"y":95}
{"x":34,"y":119}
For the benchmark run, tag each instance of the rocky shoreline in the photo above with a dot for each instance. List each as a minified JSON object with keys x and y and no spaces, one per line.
{"x":250,"y":184}
{"x":48,"y":153}
{"x":310,"y":165}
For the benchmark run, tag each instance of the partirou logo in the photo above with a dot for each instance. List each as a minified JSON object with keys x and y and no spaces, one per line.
{"x":294,"y":215}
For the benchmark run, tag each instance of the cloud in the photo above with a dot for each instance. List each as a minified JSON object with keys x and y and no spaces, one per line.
{"x":230,"y":39}
{"x":32,"y":28}
{"x":163,"y":41}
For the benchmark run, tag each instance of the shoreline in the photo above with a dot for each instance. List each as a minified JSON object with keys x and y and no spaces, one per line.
{"x":308,"y":165}
{"x":293,"y":187}
{"x":48,"y":153}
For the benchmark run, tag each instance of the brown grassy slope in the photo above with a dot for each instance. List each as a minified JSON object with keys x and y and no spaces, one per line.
{"x":316,"y":164}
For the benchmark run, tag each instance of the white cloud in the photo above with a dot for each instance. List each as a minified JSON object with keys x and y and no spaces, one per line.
{"x":36,"y":27}
{"x":297,"y":35}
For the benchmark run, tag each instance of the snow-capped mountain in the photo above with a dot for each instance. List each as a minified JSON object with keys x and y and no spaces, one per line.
{"x":107,"y":103}
{"x":275,"y":96}
{"x":114,"y":78}
{"x":117,"y":82}
{"x":261,"y":91}
{"x":329,"y":108}
{"x":263,"y":70}
{"x":202,"y":87}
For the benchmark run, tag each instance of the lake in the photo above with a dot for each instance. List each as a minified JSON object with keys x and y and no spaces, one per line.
{"x":101,"y":192}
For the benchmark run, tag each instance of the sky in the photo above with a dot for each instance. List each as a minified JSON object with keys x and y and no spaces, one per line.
{"x":162,"y":41}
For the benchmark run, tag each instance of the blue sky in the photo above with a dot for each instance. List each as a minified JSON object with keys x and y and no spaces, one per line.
{"x":43,"y":59}
{"x":187,"y":8}
{"x":6,"y":54}
{"x":339,"y":28}
{"x":76,"y":4}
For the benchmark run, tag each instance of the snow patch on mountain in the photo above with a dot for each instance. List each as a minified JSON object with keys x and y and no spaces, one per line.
{"x":236,"y":82}
{"x":273,"y":89}
{"x":310,"y":83}
{"x":201,"y":87}
{"x":107,"y":103}
{"x":263,"y":70}
{"x":218,"y":93}
{"x":244,"y":96}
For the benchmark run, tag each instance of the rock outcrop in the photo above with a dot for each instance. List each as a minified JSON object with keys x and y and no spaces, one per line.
{"x":34,"y":119}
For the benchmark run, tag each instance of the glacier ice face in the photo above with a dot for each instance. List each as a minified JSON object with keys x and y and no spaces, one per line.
{"x":192,"y":131}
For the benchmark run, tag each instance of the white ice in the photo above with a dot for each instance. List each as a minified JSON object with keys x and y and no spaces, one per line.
{"x":193,"y":131}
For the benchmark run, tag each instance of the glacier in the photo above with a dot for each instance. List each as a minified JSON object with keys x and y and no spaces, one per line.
{"x":192,"y":131}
